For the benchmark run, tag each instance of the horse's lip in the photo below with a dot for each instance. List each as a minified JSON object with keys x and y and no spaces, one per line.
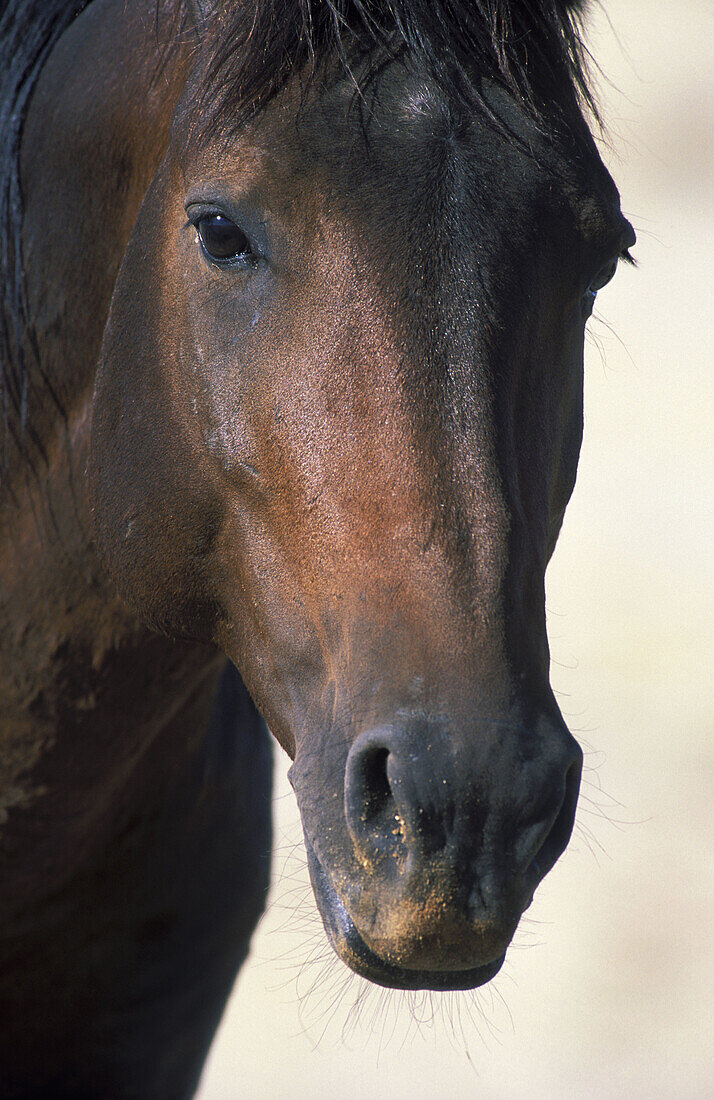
{"x":352,"y":949}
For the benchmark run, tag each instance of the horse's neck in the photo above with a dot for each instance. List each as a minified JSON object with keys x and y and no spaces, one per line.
{"x":94,"y":135}
{"x":95,"y":132}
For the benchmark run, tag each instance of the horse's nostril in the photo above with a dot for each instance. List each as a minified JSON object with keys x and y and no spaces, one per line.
{"x":377,"y":791}
{"x":557,"y":835}
{"x":563,"y":824}
{"x":370,"y":808}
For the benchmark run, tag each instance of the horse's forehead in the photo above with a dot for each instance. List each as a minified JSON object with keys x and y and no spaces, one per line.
{"x":388,"y":136}
{"x":402,"y":147}
{"x":406,"y":178}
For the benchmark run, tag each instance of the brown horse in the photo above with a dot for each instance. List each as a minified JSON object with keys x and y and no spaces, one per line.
{"x":303,"y":287}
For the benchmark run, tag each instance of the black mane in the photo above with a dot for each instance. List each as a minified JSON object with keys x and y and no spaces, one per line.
{"x":28,"y":31}
{"x":533,"y":49}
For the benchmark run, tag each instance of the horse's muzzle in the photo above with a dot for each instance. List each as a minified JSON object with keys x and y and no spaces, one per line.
{"x":448,"y":848}
{"x":352,"y":949}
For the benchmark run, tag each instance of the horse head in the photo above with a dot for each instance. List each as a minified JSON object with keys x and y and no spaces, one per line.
{"x":336,"y":426}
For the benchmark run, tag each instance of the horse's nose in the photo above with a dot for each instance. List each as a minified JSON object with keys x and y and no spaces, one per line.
{"x":409,"y":799}
{"x":381,"y":808}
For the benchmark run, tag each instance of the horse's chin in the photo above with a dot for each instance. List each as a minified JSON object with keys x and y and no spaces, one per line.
{"x":351,"y":948}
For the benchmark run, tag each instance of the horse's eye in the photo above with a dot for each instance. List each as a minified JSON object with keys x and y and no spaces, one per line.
{"x":222,"y":240}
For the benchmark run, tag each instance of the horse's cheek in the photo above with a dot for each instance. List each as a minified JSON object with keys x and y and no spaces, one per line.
{"x":155,"y":517}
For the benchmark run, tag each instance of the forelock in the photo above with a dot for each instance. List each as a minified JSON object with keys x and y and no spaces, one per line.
{"x":533,"y":49}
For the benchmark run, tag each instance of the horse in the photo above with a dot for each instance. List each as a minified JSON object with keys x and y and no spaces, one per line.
{"x":292,"y":333}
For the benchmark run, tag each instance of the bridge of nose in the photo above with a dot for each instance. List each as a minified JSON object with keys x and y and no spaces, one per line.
{"x":376,"y":515}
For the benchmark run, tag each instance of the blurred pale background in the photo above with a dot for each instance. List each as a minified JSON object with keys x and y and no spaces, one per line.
{"x":608,"y":989}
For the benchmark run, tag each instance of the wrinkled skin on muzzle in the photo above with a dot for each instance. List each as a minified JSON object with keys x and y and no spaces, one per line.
{"x":345,"y":461}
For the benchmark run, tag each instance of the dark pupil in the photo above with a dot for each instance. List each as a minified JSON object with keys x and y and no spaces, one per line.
{"x":221,"y":238}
